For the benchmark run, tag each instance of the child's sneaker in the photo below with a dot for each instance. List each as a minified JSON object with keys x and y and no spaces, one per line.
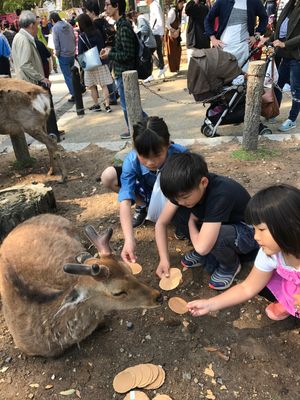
{"x":192,"y":260}
{"x":287,"y":125}
{"x":223,"y":278}
{"x":108,"y":109}
{"x":95,"y":108}
{"x":139,"y":216}
{"x":276,"y":312}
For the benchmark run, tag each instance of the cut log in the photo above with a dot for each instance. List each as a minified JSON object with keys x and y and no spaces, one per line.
{"x":18,"y":203}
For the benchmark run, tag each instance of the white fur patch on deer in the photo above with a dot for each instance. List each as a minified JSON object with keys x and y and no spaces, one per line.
{"x":50,"y":300}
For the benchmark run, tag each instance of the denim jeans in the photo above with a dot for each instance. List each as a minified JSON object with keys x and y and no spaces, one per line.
{"x":66,"y":63}
{"x":233,"y":243}
{"x":120,"y":87}
{"x":289,"y":72}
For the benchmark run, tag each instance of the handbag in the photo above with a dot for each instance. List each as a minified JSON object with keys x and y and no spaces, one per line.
{"x":269,"y":104}
{"x":90,"y":59}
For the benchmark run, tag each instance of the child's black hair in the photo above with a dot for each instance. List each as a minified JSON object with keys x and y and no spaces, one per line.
{"x":278,"y":207}
{"x":182,"y":173}
{"x":151,"y":136}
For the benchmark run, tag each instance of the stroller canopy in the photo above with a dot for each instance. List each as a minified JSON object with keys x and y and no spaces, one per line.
{"x":210,"y":71}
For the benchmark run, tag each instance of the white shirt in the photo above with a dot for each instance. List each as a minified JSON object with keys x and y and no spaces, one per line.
{"x":269,"y":263}
{"x":156,"y":19}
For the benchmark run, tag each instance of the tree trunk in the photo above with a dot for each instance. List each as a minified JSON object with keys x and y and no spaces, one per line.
{"x":132,"y":98}
{"x":18,"y":203}
{"x":256,"y":75}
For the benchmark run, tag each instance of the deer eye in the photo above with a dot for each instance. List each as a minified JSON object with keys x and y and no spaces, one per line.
{"x":121,"y":293}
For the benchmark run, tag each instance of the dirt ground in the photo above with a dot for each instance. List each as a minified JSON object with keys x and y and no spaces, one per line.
{"x":251,"y":356}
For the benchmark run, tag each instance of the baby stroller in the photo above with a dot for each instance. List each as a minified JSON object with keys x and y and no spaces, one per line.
{"x":214,"y":77}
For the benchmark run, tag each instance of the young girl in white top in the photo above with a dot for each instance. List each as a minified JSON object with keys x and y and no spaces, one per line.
{"x":275,"y":214}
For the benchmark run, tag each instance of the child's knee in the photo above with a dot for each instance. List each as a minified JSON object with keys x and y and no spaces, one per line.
{"x":109,"y":178}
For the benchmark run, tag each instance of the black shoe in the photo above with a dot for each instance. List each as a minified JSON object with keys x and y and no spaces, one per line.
{"x":71,"y":99}
{"x":95,"y":108}
{"x":180,"y":235}
{"x":125,"y":135}
{"x":139,"y":216}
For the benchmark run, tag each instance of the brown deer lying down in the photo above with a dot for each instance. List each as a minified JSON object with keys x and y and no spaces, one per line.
{"x":49,"y":301}
{"x":24,"y":108}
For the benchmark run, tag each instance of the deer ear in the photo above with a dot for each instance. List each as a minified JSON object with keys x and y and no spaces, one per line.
{"x":100,"y":241}
{"x":95,"y":270}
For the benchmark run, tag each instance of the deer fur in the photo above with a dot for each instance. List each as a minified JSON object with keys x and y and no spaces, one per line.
{"x":47,"y":309}
{"x":25,"y":108}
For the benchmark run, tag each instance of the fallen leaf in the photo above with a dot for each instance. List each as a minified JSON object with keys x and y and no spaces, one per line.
{"x":78,"y":394}
{"x":68,"y":392}
{"x":4,"y":369}
{"x":223,"y":387}
{"x":210,"y":349}
{"x":34,"y":385}
{"x":209,"y":371}
{"x":47,"y":387}
{"x":185,"y":323}
{"x":178,"y":250}
{"x":210,"y":395}
{"x":222,"y":355}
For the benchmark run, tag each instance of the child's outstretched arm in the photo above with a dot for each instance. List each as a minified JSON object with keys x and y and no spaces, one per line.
{"x":161,"y":238}
{"x":128,"y":251}
{"x":240,"y":293}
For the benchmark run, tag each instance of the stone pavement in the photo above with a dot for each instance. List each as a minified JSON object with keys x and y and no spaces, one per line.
{"x":167,"y":98}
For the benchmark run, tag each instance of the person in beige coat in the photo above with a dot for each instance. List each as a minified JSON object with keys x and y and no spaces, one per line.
{"x":28,"y":64}
{"x":27,"y":61}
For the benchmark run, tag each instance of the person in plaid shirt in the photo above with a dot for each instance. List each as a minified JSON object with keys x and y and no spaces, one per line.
{"x":122,"y":53}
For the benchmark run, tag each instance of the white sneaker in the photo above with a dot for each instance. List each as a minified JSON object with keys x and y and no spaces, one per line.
{"x":149,"y":79}
{"x":286,"y":88}
{"x":161,"y":72}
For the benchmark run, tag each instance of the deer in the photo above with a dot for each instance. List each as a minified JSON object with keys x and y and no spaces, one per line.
{"x":54,"y":293}
{"x":25,"y":108}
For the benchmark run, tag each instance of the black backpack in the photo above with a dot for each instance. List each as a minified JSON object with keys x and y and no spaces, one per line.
{"x":144,"y":63}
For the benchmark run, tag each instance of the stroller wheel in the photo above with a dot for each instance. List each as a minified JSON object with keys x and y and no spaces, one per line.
{"x":265,"y":131}
{"x":207,"y":131}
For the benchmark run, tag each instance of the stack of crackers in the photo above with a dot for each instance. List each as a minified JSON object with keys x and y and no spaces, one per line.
{"x":146,"y":376}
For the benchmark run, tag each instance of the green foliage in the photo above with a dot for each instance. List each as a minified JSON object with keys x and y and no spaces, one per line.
{"x":12,"y":5}
{"x":262,"y":153}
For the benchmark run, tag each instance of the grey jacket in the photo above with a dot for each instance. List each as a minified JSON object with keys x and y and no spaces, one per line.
{"x":143,"y":27}
{"x":64,"y":39}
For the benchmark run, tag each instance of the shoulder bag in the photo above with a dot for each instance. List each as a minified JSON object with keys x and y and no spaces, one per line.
{"x":90,"y":59}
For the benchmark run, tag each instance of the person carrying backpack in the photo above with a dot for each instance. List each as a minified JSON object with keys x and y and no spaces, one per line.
{"x":123,"y":52}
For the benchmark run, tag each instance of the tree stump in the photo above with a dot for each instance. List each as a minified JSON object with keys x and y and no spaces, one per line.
{"x":255,"y":83}
{"x":18,"y":203}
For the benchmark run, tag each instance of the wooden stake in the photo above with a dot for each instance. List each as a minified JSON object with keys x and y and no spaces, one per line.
{"x":256,"y":74}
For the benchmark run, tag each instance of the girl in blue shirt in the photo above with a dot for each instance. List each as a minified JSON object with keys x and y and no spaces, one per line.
{"x":134,"y":181}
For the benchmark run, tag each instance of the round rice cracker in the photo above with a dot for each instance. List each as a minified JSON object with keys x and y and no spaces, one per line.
{"x":136,"y":372}
{"x":147,"y":375}
{"x":178,"y":305}
{"x":172,"y":281}
{"x":135,"y":268}
{"x":159,"y":380}
{"x":123,"y":382}
{"x":162,"y":397}
{"x":136,"y":395}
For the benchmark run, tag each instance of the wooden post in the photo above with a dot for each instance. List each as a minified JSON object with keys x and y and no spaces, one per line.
{"x":132,"y":98}
{"x":256,"y":74}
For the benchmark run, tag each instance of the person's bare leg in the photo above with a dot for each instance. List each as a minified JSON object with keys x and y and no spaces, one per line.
{"x":109,"y":179}
{"x":94,"y":94}
{"x":106,"y":95}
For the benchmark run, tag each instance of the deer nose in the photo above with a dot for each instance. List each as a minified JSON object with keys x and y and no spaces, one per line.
{"x":160,"y":298}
